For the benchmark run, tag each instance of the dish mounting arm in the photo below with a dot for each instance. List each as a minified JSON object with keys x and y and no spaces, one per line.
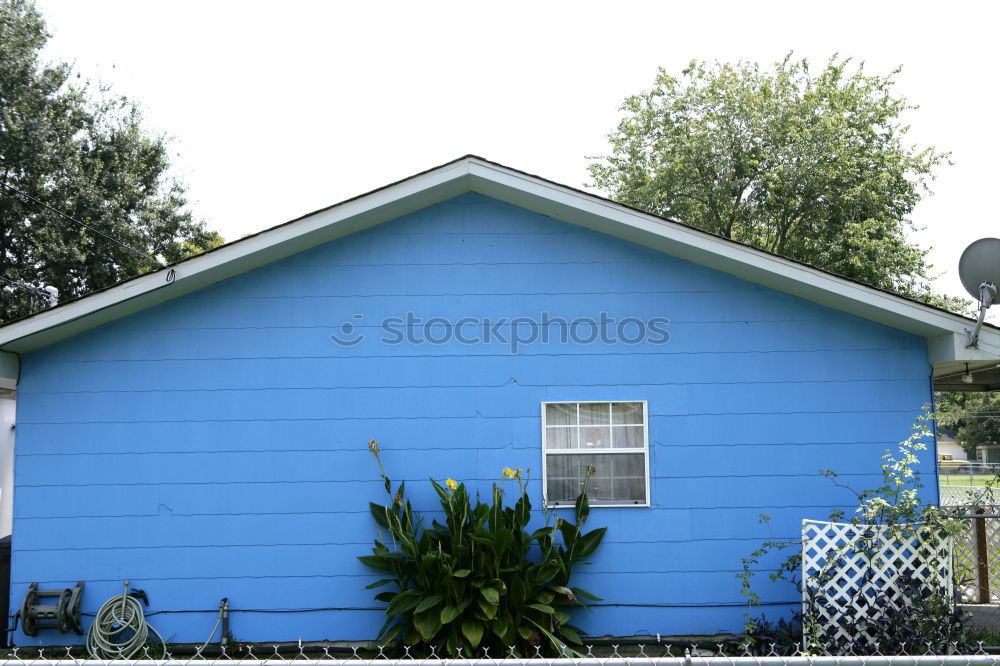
{"x":987,"y":295}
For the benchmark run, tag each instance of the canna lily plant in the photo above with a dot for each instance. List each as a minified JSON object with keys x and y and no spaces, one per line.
{"x":480,"y":580}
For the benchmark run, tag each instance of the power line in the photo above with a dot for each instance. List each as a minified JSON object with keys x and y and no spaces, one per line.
{"x":76,"y":221}
{"x":33,"y":290}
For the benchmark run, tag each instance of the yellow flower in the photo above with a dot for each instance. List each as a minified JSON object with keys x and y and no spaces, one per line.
{"x":509,"y":473}
{"x":452,"y":484}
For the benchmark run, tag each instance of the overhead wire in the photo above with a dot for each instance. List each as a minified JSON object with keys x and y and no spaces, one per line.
{"x":92,"y":229}
{"x":32,"y":290}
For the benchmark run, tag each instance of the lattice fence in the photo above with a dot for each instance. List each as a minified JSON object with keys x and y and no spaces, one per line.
{"x":851,"y":572}
{"x":964,"y":495}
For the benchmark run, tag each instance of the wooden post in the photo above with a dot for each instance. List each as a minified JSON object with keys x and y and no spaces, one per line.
{"x":982,"y":558}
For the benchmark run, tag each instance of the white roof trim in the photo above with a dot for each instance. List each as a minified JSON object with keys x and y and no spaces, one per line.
{"x":945,"y":331}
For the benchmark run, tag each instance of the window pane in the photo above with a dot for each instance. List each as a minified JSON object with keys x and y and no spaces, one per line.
{"x":629,"y":478}
{"x":619,"y":478}
{"x":629,"y":437}
{"x":629,"y":465}
{"x":563,"y":491}
{"x":630,"y":490}
{"x":627,"y":412}
{"x":595,"y":413}
{"x":564,"y":414}
{"x":561,"y":438}
{"x":595,"y":437}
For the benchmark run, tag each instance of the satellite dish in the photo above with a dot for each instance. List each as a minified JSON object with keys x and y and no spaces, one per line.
{"x":979,"y":270}
{"x":980,"y":263}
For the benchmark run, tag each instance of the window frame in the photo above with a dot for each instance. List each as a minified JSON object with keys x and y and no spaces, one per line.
{"x":644,"y":450}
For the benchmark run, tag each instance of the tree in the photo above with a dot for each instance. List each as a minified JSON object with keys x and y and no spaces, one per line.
{"x":85,"y":153}
{"x":811,"y":166}
{"x":973,"y":417}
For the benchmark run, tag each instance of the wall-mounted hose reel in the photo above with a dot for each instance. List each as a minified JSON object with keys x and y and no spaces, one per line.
{"x":63,"y":614}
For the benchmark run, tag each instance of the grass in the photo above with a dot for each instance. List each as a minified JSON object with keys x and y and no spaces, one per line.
{"x":964,"y":479}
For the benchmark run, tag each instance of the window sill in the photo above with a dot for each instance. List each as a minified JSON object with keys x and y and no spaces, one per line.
{"x":570,"y":505}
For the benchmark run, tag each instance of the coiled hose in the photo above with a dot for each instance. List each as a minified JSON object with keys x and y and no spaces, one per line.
{"x":120,"y":630}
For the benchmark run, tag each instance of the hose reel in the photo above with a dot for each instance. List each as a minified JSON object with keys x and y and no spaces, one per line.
{"x":63,"y":615}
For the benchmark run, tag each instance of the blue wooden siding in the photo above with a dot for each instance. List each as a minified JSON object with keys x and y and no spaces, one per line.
{"x":215,"y":446}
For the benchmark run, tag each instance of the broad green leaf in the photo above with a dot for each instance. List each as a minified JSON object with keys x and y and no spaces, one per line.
{"x":491,"y":594}
{"x":427,"y":623}
{"x":379,"y":513}
{"x":570,"y":633}
{"x":393,"y":631}
{"x":473,"y":631}
{"x":462,"y":573}
{"x":589,"y":542}
{"x":489,"y":610}
{"x":427,"y":602}
{"x":545,"y":597}
{"x":586,"y":595}
{"x":404,"y":602}
{"x":561,"y":648}
{"x":379,"y":583}
{"x":501,"y":627}
{"x":544,"y":608}
{"x":543,"y":532}
{"x":449,"y":613}
{"x":385,"y":627}
{"x":379,"y":562}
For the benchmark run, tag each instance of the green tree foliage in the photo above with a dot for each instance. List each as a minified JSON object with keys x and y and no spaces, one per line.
{"x":811,"y":165}
{"x":85,"y":153}
{"x":479,"y":579}
{"x":973,"y":417}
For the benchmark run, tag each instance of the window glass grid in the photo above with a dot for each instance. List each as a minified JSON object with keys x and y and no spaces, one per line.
{"x":611,"y":436}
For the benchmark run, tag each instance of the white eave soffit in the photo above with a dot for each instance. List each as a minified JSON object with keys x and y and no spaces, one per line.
{"x":944,"y":331}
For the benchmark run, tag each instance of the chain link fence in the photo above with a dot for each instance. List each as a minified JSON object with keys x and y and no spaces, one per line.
{"x":634,"y":654}
{"x":977,"y":558}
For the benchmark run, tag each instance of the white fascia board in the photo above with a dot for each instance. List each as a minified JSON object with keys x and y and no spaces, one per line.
{"x":266,"y":247}
{"x":745,"y":262}
{"x":945,"y":332}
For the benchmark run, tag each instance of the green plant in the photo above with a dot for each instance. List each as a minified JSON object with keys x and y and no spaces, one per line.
{"x":889,"y":518}
{"x":481,"y":579}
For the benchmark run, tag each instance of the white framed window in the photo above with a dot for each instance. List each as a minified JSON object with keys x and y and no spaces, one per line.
{"x":612,"y":436}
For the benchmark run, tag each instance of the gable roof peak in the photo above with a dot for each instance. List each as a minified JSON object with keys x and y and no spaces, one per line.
{"x":944,"y":330}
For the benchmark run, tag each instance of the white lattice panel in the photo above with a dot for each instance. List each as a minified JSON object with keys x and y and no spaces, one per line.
{"x":965,"y":496}
{"x":852,"y":567}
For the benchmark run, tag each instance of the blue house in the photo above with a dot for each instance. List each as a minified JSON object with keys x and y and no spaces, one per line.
{"x":201,"y":430}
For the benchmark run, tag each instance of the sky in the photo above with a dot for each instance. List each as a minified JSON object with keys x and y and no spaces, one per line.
{"x":277,"y":109}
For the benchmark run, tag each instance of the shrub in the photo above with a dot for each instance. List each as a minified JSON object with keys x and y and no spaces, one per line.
{"x":916,"y":615}
{"x":916,"y":608}
{"x":480,"y":580}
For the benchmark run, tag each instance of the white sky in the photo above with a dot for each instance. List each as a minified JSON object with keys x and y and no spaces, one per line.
{"x":280,"y":108}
